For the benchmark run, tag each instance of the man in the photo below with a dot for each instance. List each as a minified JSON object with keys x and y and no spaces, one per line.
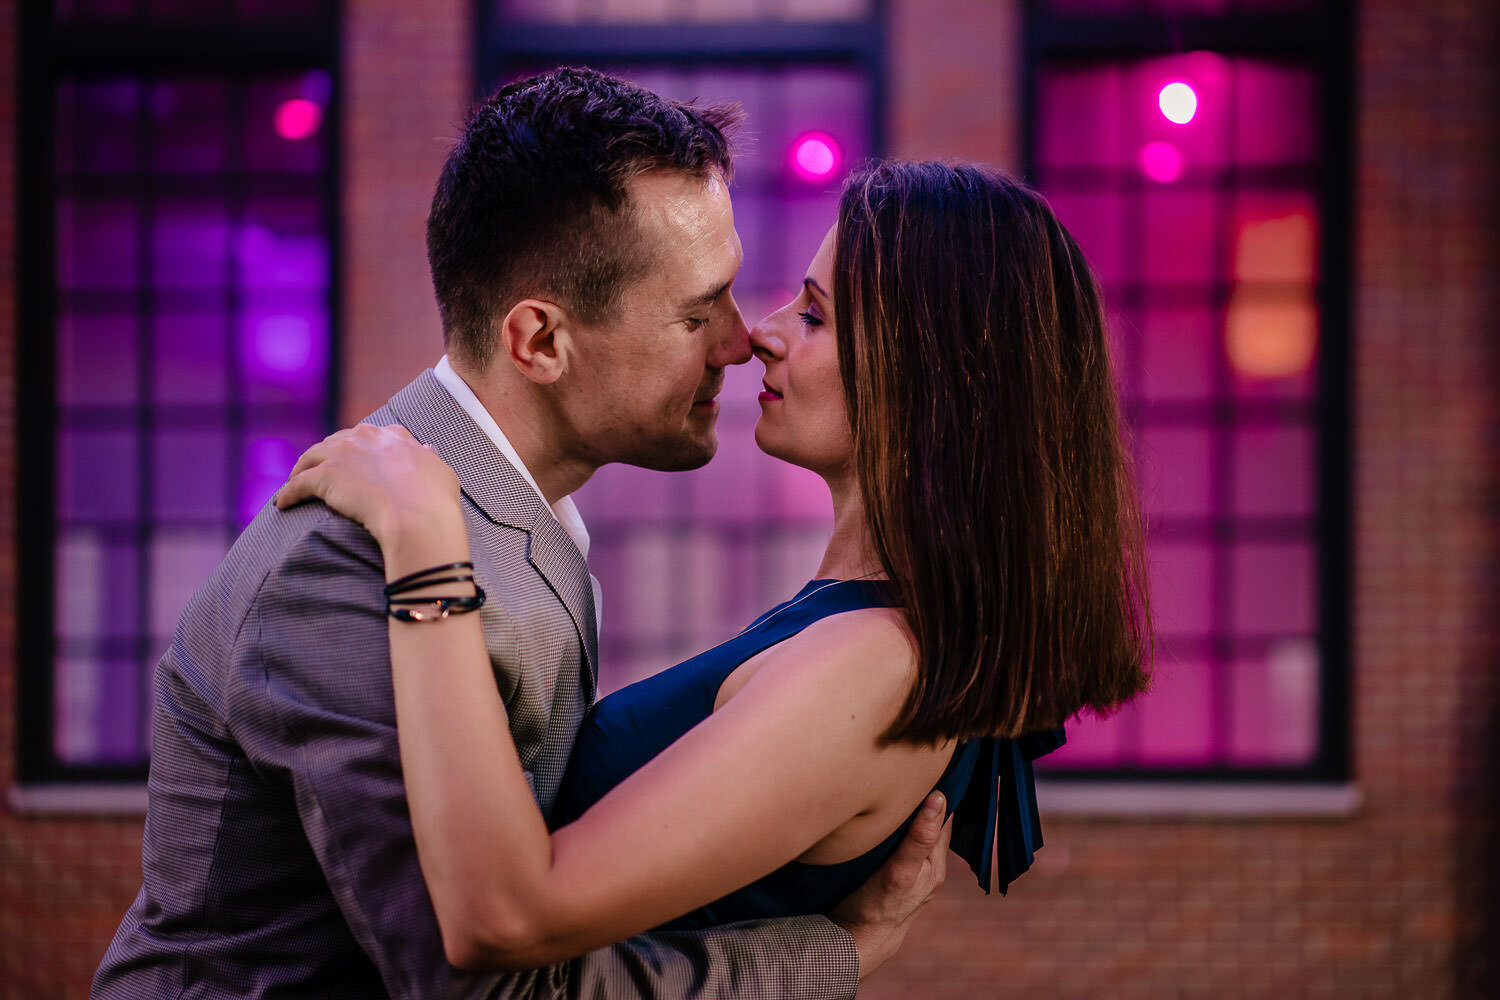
{"x":582,"y":249}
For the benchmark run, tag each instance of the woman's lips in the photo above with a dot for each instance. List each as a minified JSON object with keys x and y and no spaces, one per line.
{"x":769,"y":397}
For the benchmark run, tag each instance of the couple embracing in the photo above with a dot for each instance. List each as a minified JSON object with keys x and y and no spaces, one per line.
{"x":377,"y":768}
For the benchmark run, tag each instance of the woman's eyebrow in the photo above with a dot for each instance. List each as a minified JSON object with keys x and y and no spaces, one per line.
{"x":811,"y":282}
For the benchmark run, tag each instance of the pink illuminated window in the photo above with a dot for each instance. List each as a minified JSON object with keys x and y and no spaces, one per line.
{"x":1197,"y":181}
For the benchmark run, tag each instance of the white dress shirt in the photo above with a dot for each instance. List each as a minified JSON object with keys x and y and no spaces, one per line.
{"x":565,"y":510}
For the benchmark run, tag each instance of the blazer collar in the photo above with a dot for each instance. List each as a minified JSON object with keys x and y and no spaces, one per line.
{"x":503,"y":495}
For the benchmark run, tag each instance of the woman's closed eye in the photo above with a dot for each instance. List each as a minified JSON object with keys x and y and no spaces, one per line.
{"x":810,"y":318}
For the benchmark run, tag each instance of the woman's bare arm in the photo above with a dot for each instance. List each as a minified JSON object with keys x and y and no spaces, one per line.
{"x":792,"y":757}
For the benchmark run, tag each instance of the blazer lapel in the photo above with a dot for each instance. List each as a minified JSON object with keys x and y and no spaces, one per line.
{"x":552,"y":552}
{"x":504,"y":496}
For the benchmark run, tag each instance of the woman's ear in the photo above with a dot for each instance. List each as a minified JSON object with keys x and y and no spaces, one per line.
{"x":536,"y":336}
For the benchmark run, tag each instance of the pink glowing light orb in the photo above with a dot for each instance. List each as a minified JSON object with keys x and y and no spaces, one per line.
{"x":1178,"y":102}
{"x":1161,"y":162}
{"x":815,"y":156}
{"x":298,"y":118}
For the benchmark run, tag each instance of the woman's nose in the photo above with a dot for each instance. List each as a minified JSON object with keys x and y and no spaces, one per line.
{"x":766,"y":340}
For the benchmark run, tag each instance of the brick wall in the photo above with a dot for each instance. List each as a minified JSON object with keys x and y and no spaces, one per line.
{"x":408,"y":78}
{"x":1389,"y":904}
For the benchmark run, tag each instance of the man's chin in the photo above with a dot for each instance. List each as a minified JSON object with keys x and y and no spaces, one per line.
{"x":677,"y":456}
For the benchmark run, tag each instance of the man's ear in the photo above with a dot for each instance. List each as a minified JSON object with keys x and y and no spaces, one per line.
{"x":536,"y":336}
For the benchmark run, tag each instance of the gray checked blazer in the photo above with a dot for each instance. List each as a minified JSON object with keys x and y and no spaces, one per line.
{"x":278,"y":858}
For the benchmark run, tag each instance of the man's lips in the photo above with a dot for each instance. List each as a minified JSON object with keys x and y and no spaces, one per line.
{"x":709,"y":395}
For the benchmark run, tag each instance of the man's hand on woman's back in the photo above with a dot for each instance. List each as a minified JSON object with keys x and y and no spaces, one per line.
{"x":879,"y":913}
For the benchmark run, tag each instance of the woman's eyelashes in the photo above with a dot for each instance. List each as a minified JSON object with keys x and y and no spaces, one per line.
{"x":810,"y":318}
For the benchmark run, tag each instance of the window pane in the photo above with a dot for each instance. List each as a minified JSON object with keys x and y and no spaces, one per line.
{"x":98,"y":125}
{"x":96,"y":359}
{"x":190,"y":244}
{"x":1179,"y":346}
{"x":94,"y":586}
{"x":191,"y":358}
{"x":189,"y":126}
{"x":283,"y":244}
{"x":1081,"y":118}
{"x":1274,"y":590}
{"x":1276,"y":119}
{"x":284,"y":347}
{"x":98,"y":475}
{"x":97,"y":244}
{"x":1177,"y":720}
{"x":283,"y":119}
{"x":1274,"y":471}
{"x":191,"y":470}
{"x":1097,"y":221}
{"x":98,"y":706}
{"x":1176,"y":472}
{"x":1182,"y":588}
{"x":1275,"y":699}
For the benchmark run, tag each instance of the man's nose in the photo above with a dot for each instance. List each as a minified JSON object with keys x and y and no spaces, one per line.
{"x":733,"y":347}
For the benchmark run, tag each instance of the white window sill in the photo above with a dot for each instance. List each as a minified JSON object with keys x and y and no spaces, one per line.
{"x":78,"y":800}
{"x":1183,"y":800}
{"x":1086,"y":800}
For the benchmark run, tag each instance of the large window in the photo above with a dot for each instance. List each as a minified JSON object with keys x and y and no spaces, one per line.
{"x":1199,"y":151}
{"x":177,"y":341}
{"x":687,"y":559}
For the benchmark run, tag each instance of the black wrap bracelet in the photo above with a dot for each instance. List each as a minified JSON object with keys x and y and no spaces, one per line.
{"x":432,"y":608}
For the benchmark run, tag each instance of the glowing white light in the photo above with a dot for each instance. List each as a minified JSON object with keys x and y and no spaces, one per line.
{"x":1178,"y":102}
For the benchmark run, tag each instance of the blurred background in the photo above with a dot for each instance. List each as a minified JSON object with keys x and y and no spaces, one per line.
{"x":214,"y":209}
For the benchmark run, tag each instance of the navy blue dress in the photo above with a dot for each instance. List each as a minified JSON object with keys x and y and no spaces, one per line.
{"x":988,"y":783}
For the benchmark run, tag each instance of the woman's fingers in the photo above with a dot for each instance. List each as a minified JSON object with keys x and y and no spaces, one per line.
{"x":301,"y":486}
{"x":378,"y":476}
{"x":400,"y":431}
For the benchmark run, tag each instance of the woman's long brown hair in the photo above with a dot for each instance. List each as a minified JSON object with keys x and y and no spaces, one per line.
{"x":987,"y":438}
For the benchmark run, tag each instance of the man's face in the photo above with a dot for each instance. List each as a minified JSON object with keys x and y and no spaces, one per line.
{"x":643,"y":386}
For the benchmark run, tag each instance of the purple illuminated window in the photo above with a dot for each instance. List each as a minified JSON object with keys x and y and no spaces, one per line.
{"x":191,"y":259}
{"x":1194,"y":181}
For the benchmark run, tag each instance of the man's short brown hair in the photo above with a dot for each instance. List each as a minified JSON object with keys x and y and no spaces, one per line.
{"x":533,"y":202}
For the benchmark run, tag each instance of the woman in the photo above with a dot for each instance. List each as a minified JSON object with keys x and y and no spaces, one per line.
{"x":944,"y":369}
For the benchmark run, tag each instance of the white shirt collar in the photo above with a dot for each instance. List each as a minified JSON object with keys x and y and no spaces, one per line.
{"x":565,"y":510}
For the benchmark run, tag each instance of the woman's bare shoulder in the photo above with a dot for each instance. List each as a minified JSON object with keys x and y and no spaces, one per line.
{"x":872,"y":646}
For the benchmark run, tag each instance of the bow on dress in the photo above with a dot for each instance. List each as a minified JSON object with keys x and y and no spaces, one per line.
{"x":999,"y":809}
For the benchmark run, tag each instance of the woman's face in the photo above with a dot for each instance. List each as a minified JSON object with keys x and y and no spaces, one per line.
{"x":802,"y":417}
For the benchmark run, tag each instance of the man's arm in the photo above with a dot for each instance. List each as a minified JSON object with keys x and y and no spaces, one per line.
{"x":314,"y":658}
